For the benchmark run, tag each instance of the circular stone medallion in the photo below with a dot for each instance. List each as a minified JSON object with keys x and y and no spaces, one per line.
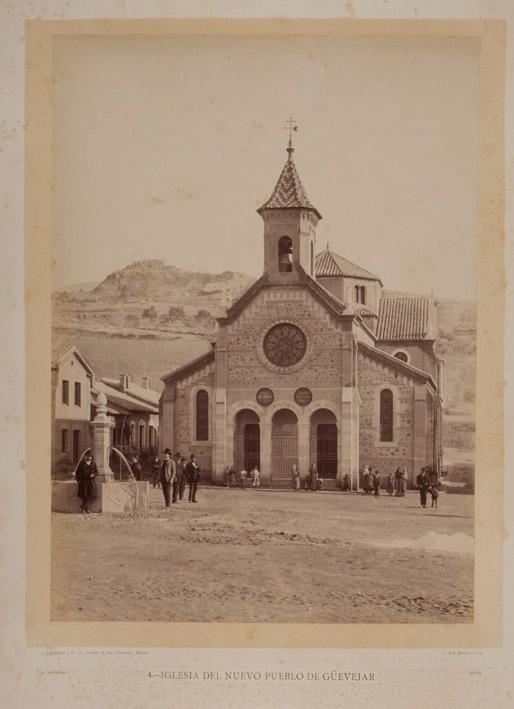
{"x":264,"y":397}
{"x":303,"y":396}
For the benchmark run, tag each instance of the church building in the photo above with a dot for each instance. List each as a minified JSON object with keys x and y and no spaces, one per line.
{"x":314,"y":363}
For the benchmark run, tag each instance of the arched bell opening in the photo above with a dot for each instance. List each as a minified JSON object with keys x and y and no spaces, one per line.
{"x":285,"y":254}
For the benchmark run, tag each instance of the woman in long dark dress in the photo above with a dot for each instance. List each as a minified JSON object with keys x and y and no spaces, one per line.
{"x":366,"y":479}
{"x":85,"y":476}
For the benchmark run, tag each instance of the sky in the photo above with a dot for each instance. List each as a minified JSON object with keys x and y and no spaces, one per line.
{"x":164,"y":147}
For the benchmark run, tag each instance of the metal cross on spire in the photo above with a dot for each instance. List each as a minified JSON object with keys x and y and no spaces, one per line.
{"x":290,"y":126}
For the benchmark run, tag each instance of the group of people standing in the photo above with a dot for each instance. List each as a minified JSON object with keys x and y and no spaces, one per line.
{"x":394,"y":484}
{"x":312,"y":481}
{"x":235,"y":478}
{"x":173,"y":473}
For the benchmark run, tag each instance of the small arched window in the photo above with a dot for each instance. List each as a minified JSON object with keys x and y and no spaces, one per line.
{"x":402,"y":355}
{"x":202,"y":415}
{"x":360,"y":294}
{"x":386,"y":416}
{"x":285,"y":254}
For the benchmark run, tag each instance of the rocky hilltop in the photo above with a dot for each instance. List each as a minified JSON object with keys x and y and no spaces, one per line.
{"x":156,"y":281}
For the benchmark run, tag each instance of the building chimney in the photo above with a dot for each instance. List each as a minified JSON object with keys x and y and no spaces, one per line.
{"x":145,"y":382}
{"x":124,"y":382}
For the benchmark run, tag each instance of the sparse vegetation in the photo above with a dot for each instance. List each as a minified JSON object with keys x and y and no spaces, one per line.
{"x":132,"y":319}
{"x":176,"y":312}
{"x":150,"y":313}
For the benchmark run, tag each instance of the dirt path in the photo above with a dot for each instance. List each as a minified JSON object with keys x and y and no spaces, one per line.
{"x":265,"y":556}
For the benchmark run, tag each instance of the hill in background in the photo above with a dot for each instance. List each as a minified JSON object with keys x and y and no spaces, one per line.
{"x":150,"y":317}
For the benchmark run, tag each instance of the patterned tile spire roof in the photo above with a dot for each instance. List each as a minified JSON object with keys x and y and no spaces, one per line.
{"x":289,"y":193}
{"x":330,"y":264}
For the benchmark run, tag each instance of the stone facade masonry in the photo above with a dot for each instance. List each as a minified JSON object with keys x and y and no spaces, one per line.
{"x":413,"y":422}
{"x":178,"y":418}
{"x":246,"y":364}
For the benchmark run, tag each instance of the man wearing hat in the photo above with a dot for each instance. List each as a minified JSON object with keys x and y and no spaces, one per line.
{"x":423,"y":485}
{"x":177,"y":483}
{"x":168,"y":475}
{"x":192,"y":472}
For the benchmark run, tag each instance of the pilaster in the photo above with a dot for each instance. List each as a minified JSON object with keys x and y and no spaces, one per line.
{"x":220,"y":455}
{"x":167,"y":419}
{"x":265,"y":429}
{"x":348,"y":437}
{"x":304,"y":447}
{"x":420,"y":424}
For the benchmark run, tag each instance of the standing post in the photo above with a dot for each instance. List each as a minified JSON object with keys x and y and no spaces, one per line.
{"x":101,"y":426}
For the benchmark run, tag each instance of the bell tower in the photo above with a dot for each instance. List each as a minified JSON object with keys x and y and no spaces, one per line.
{"x":290,"y":222}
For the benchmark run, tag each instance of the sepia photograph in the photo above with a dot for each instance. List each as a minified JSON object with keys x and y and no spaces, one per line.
{"x":263,"y":321}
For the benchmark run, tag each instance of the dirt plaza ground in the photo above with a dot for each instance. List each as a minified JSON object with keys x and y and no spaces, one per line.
{"x":262,"y":555}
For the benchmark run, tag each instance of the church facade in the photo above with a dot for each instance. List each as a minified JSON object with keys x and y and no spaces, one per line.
{"x":312,"y":364}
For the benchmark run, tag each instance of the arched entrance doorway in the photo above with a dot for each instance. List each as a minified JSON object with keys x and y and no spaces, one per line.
{"x":284,"y":443}
{"x":247,"y":444}
{"x":324,"y":442}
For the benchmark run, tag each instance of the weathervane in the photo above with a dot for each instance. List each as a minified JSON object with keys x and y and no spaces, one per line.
{"x":290,"y":126}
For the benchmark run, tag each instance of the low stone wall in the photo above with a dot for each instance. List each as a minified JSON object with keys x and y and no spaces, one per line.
{"x":120,"y":497}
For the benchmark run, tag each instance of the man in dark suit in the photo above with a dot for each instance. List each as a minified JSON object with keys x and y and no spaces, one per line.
{"x":85,"y":476}
{"x":192,"y":472}
{"x":423,"y":485}
{"x":168,"y":475}
{"x":177,"y":483}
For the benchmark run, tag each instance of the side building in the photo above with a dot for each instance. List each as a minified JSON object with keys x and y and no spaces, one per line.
{"x":135,"y":412}
{"x":72,"y":380}
{"x":133,"y":408}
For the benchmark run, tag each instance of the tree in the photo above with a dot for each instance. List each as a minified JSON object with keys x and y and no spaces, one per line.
{"x":176,"y":312}
{"x":150,"y":313}
{"x":203,"y":314}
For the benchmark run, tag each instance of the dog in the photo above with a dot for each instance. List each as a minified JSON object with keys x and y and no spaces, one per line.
{"x":433,"y":491}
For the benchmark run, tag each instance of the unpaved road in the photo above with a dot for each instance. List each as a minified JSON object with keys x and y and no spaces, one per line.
{"x":257,"y":556}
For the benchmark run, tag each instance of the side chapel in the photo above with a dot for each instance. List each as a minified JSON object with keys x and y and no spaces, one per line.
{"x":312,"y":364}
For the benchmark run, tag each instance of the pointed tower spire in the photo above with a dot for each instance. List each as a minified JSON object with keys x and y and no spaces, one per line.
{"x":290,"y":222}
{"x":289,"y":193}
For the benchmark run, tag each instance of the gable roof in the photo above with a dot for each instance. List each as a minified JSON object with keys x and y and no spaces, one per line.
{"x":124,"y":402}
{"x":408,"y":369}
{"x":411,"y":318}
{"x":112,"y":408}
{"x":189,"y":368}
{"x":59,"y":352}
{"x":328,"y":263}
{"x":145,"y":394}
{"x":322,"y":295}
{"x":289,"y":193}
